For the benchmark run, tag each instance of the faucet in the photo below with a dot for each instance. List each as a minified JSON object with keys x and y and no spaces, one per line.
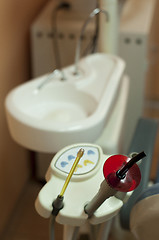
{"x":78,"y":47}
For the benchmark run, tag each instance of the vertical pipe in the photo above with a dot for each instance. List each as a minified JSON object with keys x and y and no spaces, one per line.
{"x":109,"y":30}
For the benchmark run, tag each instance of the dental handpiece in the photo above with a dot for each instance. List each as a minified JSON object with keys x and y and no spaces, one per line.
{"x":121,"y":174}
{"x":104,"y":192}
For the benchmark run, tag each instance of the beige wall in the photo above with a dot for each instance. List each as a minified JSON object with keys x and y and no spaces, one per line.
{"x":152,"y":85}
{"x":15,"y":19}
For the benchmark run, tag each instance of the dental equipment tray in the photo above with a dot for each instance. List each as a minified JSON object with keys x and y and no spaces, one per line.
{"x":83,"y":186}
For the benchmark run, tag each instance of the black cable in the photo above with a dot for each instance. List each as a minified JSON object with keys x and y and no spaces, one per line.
{"x":52,"y":228}
{"x":57,"y":206}
{"x":121,"y":173}
{"x":63,"y":5}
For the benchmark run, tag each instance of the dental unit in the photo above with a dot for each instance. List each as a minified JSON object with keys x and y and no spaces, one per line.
{"x":77,"y":113}
{"x":73,"y":110}
{"x":80,"y":204}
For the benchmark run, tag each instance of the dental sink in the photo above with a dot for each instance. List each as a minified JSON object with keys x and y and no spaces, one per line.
{"x":64,"y":112}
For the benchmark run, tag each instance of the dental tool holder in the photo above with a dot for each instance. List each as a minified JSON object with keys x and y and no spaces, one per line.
{"x":84,"y":185}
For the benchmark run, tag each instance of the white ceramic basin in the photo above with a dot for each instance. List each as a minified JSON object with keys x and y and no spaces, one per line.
{"x":65,"y":112}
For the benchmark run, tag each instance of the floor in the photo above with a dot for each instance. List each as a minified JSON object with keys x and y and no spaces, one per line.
{"x":26,"y":224}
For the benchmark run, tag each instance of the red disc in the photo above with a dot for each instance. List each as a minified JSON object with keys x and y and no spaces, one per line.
{"x":131,"y":179}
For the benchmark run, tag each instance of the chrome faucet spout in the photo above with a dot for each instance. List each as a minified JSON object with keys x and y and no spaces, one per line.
{"x":78,"y":47}
{"x":55,"y":73}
